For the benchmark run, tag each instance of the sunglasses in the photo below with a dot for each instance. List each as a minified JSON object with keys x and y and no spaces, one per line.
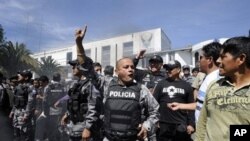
{"x":170,"y":69}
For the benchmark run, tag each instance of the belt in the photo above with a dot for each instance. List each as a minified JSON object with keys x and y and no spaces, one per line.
{"x":119,"y":136}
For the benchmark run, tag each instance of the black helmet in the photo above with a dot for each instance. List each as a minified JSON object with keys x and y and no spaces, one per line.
{"x":25,"y":73}
{"x":156,"y":58}
{"x":87,"y":67}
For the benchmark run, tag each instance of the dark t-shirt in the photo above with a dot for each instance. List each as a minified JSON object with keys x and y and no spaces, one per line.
{"x":168,"y":91}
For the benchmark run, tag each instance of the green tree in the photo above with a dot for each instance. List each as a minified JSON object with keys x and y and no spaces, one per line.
{"x":2,"y":37}
{"x":48,"y":66}
{"x":15,"y":58}
{"x":2,"y":45}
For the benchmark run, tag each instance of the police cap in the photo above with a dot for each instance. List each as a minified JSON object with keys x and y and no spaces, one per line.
{"x":156,"y":58}
{"x":86,"y":66}
{"x":186,"y":67}
{"x":25,"y":73}
{"x":73,"y":62}
{"x":172,"y":64}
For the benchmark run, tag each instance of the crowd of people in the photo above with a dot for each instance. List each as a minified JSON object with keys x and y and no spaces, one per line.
{"x":164,"y":102}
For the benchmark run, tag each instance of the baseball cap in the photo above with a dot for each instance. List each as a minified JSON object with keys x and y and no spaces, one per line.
{"x":156,"y":58}
{"x":73,"y":62}
{"x":186,"y":67}
{"x":172,"y":64}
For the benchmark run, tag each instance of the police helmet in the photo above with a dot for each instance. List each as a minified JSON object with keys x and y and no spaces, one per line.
{"x":25,"y":73}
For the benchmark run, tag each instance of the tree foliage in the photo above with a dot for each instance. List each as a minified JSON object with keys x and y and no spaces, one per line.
{"x":2,"y":37}
{"x":15,"y":57}
{"x":48,"y":66}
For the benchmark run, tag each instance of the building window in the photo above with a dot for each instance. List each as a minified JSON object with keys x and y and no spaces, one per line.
{"x":171,"y":56}
{"x":88,"y":52}
{"x":127,"y":49}
{"x":69,"y":56}
{"x":105,"y":56}
{"x":196,"y":58}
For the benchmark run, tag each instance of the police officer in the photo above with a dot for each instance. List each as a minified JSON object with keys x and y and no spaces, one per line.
{"x":82,"y":111}
{"x":2,"y":91}
{"x":83,"y":107}
{"x":124,"y":103}
{"x":109,"y":72}
{"x":103,"y":81}
{"x":12,"y":85}
{"x":151,"y":76}
{"x":186,"y":74}
{"x":41,"y":118}
{"x":38,"y":101}
{"x":98,"y":68}
{"x":36,"y":85}
{"x":23,"y":107}
{"x":54,"y":93}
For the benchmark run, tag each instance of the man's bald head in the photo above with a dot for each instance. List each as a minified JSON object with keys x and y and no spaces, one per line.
{"x":125,"y":70}
{"x":120,"y":61}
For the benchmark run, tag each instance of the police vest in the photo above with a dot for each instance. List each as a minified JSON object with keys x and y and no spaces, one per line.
{"x":20,"y":96}
{"x":56,"y":91}
{"x":78,"y":101}
{"x":122,"y":109}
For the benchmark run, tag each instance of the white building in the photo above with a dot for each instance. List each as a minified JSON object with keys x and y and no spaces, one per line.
{"x":108,"y":51}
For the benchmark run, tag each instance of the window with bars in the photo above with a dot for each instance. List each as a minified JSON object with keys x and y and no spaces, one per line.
{"x":127,"y":49}
{"x":105,"y":55}
{"x":69,"y":56}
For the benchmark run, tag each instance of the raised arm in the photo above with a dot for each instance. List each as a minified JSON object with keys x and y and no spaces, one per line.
{"x":79,"y":36}
{"x":139,"y":56}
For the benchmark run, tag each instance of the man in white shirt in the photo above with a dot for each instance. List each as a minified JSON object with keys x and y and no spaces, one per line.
{"x":208,"y":65}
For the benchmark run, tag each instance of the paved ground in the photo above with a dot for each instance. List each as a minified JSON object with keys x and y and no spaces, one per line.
{"x":6,"y":132}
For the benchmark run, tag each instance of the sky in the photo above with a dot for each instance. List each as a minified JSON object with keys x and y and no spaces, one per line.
{"x":46,"y":24}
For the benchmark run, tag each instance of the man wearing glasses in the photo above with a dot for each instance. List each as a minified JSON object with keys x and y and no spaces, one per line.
{"x":227,"y":101}
{"x":175,"y":125}
{"x":208,"y":65}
